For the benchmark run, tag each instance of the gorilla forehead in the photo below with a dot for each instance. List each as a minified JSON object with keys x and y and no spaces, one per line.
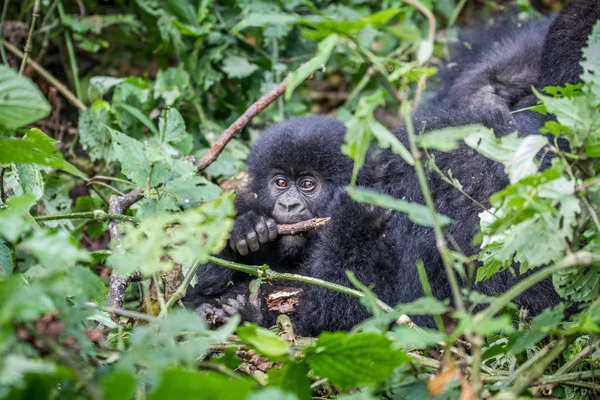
{"x":300,"y":145}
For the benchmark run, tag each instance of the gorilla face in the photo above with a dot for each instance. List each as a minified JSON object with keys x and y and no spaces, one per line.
{"x":296,"y":198}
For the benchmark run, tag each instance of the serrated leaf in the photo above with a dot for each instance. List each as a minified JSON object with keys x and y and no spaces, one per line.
{"x":94,"y":138}
{"x":171,"y":84}
{"x":417,"y":213}
{"x":406,"y":338}
{"x":6,"y":262}
{"x":591,"y":63}
{"x":517,"y":154}
{"x":21,"y":102}
{"x":35,"y":148}
{"x":324,"y":50}
{"x":238,"y":67}
{"x":30,"y":179}
{"x":171,"y":126}
{"x":263,"y":340}
{"x":447,"y":139}
{"x":161,"y":241}
{"x":132,"y":156}
{"x":353,"y":359}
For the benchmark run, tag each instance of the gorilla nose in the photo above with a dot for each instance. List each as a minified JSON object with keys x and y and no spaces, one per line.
{"x":290,"y":205}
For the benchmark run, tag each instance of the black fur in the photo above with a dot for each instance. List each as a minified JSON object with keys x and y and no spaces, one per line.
{"x":306,"y":144}
{"x":385,"y":256}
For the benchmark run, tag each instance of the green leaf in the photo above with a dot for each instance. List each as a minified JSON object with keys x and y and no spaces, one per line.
{"x":324,"y":50}
{"x":423,"y":306}
{"x":261,"y":20}
{"x":354,"y":359}
{"x":447,"y":139}
{"x":104,"y":83}
{"x":35,"y":148}
{"x":6,"y":262}
{"x":591,"y":63}
{"x":118,"y":385}
{"x":171,"y":85}
{"x":30,"y":179}
{"x":293,"y":378}
{"x":21,"y":102}
{"x":139,"y":115}
{"x":417,"y":213}
{"x":238,"y":67}
{"x":386,"y":139}
{"x":55,"y":250}
{"x":132,"y":156}
{"x":187,"y":384}
{"x":356,"y":144}
{"x":424,"y":52}
{"x":93,"y":136}
{"x":171,"y":126}
{"x":14,"y":220}
{"x":263,"y":340}
{"x":161,"y":241}
{"x":517,"y":154}
{"x":408,"y":338}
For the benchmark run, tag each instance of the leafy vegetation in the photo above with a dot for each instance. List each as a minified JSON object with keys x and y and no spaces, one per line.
{"x":104,"y":106}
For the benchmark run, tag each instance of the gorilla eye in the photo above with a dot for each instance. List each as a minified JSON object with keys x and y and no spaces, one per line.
{"x":281,"y":183}
{"x":307,"y":184}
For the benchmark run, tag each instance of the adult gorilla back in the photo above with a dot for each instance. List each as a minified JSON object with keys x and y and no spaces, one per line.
{"x":385,"y":255}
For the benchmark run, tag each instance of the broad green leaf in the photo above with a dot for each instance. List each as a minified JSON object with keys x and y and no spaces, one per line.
{"x":35,"y":148}
{"x":132,"y":156}
{"x":93,"y":136}
{"x":103,"y":84}
{"x":238,"y":67}
{"x":21,"y":102}
{"x":517,"y":154}
{"x":55,"y":250}
{"x":423,"y":306}
{"x":354,"y":359}
{"x":188,"y":192}
{"x":386,"y":139}
{"x":189,"y":384}
{"x":417,"y":213}
{"x":447,"y":139}
{"x":263,"y":340}
{"x":118,"y":385}
{"x":425,"y":51}
{"x":30,"y":179}
{"x":6,"y":261}
{"x":14,"y":219}
{"x":324,"y":50}
{"x":293,"y":378}
{"x":171,"y":126}
{"x":171,"y":85}
{"x":408,"y":338}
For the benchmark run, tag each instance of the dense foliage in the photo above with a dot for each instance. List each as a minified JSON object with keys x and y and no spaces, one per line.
{"x":155,"y":81}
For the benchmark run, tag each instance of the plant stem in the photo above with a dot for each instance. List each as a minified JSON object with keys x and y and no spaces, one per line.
{"x":27,"y":49}
{"x":265,"y":272}
{"x":96,"y":215}
{"x":439,"y":234}
{"x":48,"y":76}
{"x":274,"y":61}
{"x":71,"y":51}
{"x":182,"y":289}
{"x":2,"y":193}
{"x":2,"y":19}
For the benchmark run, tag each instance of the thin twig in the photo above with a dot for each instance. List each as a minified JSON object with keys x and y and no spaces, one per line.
{"x":302,"y":226}
{"x":96,"y":215}
{"x":27,"y":49}
{"x":237,"y":126}
{"x":106,"y":185}
{"x":48,"y":76}
{"x":182,"y":289}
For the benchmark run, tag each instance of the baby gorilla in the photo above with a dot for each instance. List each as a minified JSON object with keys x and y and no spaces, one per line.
{"x":296,"y":168}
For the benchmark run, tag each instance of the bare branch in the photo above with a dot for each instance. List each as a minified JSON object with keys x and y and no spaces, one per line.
{"x":302,"y":226}
{"x":237,"y":127}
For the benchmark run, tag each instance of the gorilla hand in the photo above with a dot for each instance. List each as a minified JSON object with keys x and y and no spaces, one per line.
{"x":251,"y":231}
{"x":217,"y":316}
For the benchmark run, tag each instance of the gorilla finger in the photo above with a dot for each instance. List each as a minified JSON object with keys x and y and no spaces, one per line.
{"x":230,"y":310}
{"x":242,"y":247}
{"x":262,"y":231}
{"x":252,"y":240}
{"x":232,"y":244}
{"x":272,"y":227}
